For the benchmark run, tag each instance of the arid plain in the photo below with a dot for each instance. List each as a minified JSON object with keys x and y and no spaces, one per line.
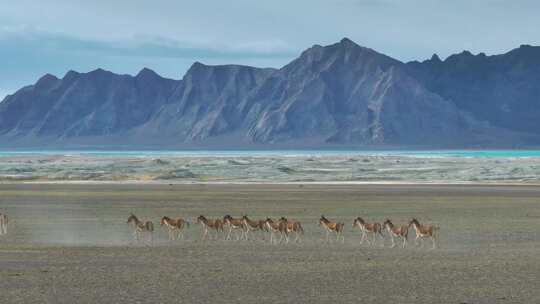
{"x":71,"y":242}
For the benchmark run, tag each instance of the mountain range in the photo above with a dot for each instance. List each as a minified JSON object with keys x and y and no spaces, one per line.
{"x":340,"y":95}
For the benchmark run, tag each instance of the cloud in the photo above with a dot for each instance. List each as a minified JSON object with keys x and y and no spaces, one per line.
{"x":142,"y":45}
{"x":27,"y":53}
{"x":54,"y":36}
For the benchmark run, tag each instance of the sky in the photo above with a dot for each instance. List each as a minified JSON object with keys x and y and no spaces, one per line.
{"x":167,"y":36}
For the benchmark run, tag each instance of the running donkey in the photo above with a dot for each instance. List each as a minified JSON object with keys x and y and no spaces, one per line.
{"x":365,"y":228}
{"x":253,"y":225}
{"x":401,"y":232}
{"x":141,"y":227}
{"x":292,"y":226}
{"x":207,"y":224}
{"x":175,"y":227}
{"x":330,"y":227}
{"x":424,"y":232}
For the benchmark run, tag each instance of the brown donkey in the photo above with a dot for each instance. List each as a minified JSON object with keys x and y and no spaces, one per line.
{"x":372,"y":228}
{"x":175,"y":227}
{"x":235,"y":224}
{"x":292,"y":226}
{"x":141,"y":227}
{"x":424,"y":232}
{"x":207,"y":224}
{"x":253,"y":225}
{"x":276,"y":227}
{"x":400,"y":232}
{"x":332,"y":227}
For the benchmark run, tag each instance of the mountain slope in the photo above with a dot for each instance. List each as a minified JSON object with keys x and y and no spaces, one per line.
{"x":340,"y":94}
{"x":209,"y":102}
{"x":344,"y":93}
{"x":502,"y":89}
{"x":97,"y":103}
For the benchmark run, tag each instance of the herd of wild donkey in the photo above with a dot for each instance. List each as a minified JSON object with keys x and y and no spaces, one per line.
{"x":285,"y":228}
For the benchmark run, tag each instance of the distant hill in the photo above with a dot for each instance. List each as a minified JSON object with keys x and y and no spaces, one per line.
{"x":337,"y":95}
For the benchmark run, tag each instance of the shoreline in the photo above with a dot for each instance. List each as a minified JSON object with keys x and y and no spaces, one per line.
{"x":269,"y":170}
{"x":257,"y":183}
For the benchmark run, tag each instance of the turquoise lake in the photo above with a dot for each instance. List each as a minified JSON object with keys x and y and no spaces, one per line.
{"x":289,"y":153}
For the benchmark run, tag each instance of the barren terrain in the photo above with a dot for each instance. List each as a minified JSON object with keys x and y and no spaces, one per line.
{"x":71,"y":244}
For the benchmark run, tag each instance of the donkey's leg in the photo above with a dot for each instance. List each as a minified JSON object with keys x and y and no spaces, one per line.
{"x":204,"y":234}
{"x":229,"y":234}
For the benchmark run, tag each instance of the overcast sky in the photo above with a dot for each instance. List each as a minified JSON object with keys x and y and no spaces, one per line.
{"x":54,"y":36}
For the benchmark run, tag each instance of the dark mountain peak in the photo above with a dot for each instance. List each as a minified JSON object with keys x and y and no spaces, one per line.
{"x":71,"y":74}
{"x":198,"y":70}
{"x":347,"y":42}
{"x":465,"y":57}
{"x":197,"y":65}
{"x":525,"y":51}
{"x":47,"y":77}
{"x":349,"y":45}
{"x":99,"y":72}
{"x":435,"y":58}
{"x":46,"y":81}
{"x":345,"y":45}
{"x":345,"y":54}
{"x":147,"y":73}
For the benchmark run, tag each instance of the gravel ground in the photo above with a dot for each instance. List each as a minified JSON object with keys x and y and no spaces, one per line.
{"x":70,"y":244}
